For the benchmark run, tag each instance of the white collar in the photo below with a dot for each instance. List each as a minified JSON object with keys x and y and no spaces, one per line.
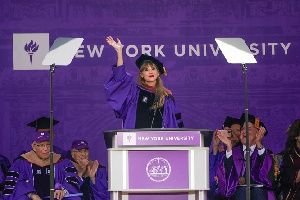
{"x":252,"y":148}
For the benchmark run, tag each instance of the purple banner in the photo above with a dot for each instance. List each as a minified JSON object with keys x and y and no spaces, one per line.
{"x":159,"y":138}
{"x":158,"y":169}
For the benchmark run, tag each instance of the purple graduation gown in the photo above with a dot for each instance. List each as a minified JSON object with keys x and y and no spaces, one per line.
{"x":2,"y":179}
{"x":122,"y":95}
{"x":20,"y":179}
{"x":262,"y":172}
{"x":99,"y":190}
{"x":213,"y":193}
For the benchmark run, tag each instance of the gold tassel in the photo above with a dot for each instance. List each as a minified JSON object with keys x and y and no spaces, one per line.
{"x":165,"y":72}
{"x":216,"y":179}
{"x":276,"y":170}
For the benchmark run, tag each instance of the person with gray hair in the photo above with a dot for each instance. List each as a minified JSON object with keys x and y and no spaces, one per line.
{"x":29,"y":176}
{"x":94,"y":175}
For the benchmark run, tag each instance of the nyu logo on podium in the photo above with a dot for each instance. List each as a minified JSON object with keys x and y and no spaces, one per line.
{"x":129,"y":138}
{"x":158,"y":169}
{"x":29,"y":51}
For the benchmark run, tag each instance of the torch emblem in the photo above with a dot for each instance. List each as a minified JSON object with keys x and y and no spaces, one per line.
{"x":31,"y":48}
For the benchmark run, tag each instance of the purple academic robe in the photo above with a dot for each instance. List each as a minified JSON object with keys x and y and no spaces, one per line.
{"x":20,"y":179}
{"x":122,"y":95}
{"x":99,"y":190}
{"x":213,"y":193}
{"x":2,"y":179}
{"x":262,"y":172}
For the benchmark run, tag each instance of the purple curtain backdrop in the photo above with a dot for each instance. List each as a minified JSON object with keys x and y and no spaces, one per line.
{"x":206,"y":88}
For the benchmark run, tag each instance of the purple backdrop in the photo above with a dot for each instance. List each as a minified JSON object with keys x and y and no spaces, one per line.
{"x":206,"y":88}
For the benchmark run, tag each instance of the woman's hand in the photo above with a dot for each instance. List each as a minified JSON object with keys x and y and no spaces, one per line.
{"x":116,"y":45}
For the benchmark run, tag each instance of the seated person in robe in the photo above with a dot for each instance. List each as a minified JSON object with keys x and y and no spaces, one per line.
{"x":94,"y":176}
{"x":217,"y":151}
{"x":231,"y":171}
{"x":29,"y":176}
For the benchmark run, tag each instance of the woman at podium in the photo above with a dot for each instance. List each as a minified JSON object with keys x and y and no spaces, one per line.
{"x":147,"y":104}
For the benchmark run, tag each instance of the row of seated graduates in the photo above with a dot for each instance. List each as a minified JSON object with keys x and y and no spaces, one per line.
{"x":91,"y":175}
{"x":272,"y":176}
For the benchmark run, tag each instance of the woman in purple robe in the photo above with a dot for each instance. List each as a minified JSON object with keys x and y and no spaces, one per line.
{"x":146,"y":105}
{"x":290,"y":175}
{"x":231,"y":171}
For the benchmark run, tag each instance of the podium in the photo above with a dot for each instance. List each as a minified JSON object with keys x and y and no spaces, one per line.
{"x":158,"y":164}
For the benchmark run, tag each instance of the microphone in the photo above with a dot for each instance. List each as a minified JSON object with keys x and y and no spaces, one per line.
{"x":156,"y":100}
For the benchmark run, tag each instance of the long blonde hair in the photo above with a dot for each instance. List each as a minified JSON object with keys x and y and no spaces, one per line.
{"x":159,"y":86}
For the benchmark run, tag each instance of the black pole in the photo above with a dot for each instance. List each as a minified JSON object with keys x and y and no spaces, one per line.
{"x":247,"y":136}
{"x":52,"y":69}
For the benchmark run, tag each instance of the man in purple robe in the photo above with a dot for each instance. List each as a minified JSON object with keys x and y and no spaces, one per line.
{"x":29,"y":176}
{"x":94,"y":175}
{"x":146,"y":105}
{"x":231,"y":171}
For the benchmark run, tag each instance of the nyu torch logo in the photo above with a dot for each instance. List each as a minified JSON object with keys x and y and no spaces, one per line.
{"x":129,"y":138}
{"x":31,"y":48}
{"x":29,"y":51}
{"x":158,"y":169}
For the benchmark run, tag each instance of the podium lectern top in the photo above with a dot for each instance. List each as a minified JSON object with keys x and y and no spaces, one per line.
{"x":158,"y":137}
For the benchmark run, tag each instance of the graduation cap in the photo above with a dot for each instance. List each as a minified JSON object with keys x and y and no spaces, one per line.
{"x":263,"y":125}
{"x":229,"y":121}
{"x":80,"y":144}
{"x":42,"y":123}
{"x":257,"y":123}
{"x":145,"y":58}
{"x":251,"y":119}
{"x":41,"y":136}
{"x":235,"y":121}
